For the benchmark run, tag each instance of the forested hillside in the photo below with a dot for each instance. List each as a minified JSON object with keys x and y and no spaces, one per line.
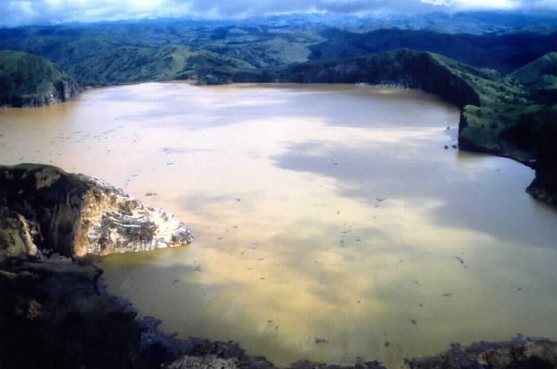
{"x":30,"y":80}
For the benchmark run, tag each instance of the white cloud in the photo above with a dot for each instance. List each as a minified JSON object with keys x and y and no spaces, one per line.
{"x":15,"y":12}
{"x":439,"y":2}
{"x":495,"y":4}
{"x":491,"y":4}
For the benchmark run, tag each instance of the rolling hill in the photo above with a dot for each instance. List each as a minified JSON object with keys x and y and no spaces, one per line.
{"x":139,"y":64}
{"x":500,"y":41}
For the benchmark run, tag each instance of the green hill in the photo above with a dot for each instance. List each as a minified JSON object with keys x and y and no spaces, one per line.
{"x":536,"y":129}
{"x":29,"y":80}
{"x":503,"y":52}
{"x":285,"y":40}
{"x":540,"y":77}
{"x":140,"y":64}
{"x":546,"y":65}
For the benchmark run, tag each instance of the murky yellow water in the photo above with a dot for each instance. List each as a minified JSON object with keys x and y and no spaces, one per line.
{"x":330,"y":222}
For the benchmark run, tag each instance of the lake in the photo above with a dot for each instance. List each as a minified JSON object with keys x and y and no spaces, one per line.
{"x":331,"y":222}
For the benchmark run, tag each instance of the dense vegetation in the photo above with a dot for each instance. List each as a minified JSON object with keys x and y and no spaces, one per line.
{"x":501,"y":41}
{"x":501,"y":69}
{"x":30,"y":80}
{"x":136,"y":64}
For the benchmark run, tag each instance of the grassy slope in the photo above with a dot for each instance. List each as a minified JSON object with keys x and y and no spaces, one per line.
{"x":514,"y":111}
{"x":540,"y":76}
{"x":502,"y":100}
{"x":138,"y":64}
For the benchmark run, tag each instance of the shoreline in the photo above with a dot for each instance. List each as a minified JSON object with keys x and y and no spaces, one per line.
{"x":53,"y":296}
{"x":140,"y":344}
{"x":538,"y":189}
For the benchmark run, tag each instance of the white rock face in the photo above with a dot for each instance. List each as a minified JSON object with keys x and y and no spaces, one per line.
{"x":43,"y":207}
{"x":113,"y":222}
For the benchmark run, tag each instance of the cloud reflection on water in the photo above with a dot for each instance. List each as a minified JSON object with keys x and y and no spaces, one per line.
{"x":333,"y":211}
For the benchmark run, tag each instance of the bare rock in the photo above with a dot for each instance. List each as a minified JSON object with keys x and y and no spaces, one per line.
{"x":76,"y":215}
{"x":518,"y":353}
{"x":112,"y":222}
{"x":16,"y":234}
{"x":530,"y":355}
{"x":202,"y":362}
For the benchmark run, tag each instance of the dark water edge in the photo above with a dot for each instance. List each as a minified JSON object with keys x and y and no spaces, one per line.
{"x":77,"y":324}
{"x":80,"y":325}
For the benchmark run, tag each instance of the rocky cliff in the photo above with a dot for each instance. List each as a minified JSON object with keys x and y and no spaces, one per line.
{"x":407,"y":68}
{"x":28,"y":81}
{"x":75,"y":214}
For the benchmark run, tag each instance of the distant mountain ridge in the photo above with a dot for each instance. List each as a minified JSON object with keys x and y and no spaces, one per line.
{"x":502,"y":41}
{"x":504,"y":53}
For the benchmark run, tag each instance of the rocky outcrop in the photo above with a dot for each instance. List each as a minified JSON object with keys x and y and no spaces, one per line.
{"x":542,"y":190}
{"x":53,"y":316}
{"x":28,"y":80}
{"x":544,"y":186}
{"x":54,"y":92}
{"x":518,"y":353}
{"x":75,"y":215}
{"x":541,"y":193}
{"x":433,"y":77}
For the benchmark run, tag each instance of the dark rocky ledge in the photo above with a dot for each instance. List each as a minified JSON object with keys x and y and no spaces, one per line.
{"x":28,"y":80}
{"x":55,"y":312}
{"x":518,"y":353}
{"x":55,"y":92}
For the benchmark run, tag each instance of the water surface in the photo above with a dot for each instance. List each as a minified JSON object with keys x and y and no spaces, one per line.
{"x":331,"y":224}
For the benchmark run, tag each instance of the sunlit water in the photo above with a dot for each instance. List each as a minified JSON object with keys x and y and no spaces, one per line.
{"x":331,"y":223}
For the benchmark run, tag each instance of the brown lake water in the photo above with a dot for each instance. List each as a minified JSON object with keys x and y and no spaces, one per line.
{"x":330,"y":222}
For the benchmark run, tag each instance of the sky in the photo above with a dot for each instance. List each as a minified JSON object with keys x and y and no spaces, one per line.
{"x":24,"y":12}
